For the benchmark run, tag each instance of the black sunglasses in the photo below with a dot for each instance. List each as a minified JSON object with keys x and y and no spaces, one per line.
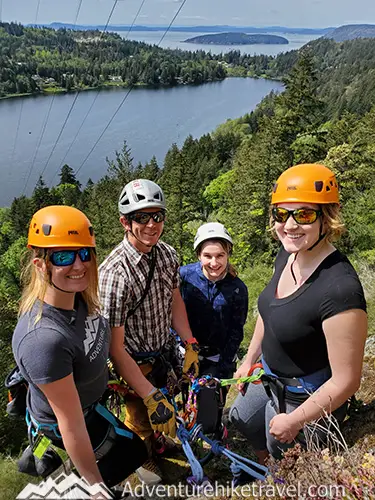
{"x":64,"y":258}
{"x":300,"y":215}
{"x":144,"y":217}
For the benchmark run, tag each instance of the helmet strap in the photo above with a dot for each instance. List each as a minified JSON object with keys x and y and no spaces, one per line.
{"x":134,"y":236}
{"x":321,"y":236}
{"x":57,"y":288}
{"x":50,"y":282}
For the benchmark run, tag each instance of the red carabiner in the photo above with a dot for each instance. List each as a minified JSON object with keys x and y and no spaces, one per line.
{"x":251,"y":371}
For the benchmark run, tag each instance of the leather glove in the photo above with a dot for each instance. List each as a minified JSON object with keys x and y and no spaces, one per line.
{"x":161,"y":413}
{"x":191,"y":361}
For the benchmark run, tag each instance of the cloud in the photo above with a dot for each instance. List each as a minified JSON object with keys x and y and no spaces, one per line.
{"x":193,"y":17}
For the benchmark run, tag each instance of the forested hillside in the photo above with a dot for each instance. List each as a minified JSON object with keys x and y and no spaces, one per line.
{"x":43,"y":59}
{"x":345,"y":72}
{"x":227,"y":176}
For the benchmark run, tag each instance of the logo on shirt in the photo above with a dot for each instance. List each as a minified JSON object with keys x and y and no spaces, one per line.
{"x":91,"y":329}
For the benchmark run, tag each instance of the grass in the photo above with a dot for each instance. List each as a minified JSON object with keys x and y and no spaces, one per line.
{"x":12,"y":481}
{"x":351,"y":465}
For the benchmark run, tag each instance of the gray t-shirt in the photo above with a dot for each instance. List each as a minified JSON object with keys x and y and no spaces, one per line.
{"x":62,"y":342}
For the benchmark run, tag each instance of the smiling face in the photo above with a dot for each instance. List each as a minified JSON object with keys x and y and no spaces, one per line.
{"x":73,"y":278}
{"x":297,"y":237}
{"x":143,"y":236}
{"x":214,"y":260}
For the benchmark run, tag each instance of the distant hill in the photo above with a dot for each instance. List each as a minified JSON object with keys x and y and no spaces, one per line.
{"x":195,"y":29}
{"x":237,"y":39}
{"x":351,"y":32}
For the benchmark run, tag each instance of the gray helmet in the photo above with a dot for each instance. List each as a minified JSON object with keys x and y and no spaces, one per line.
{"x":140,"y":194}
{"x":211,"y":231}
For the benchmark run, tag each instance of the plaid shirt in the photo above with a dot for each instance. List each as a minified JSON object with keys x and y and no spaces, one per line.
{"x":122,"y":281}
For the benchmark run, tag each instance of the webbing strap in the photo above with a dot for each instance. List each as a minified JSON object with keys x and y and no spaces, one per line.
{"x":112,"y":420}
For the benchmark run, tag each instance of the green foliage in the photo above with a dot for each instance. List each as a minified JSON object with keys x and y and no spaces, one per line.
{"x":11,"y":481}
{"x":47,"y":60}
{"x":67,"y":176}
{"x":225,"y":176}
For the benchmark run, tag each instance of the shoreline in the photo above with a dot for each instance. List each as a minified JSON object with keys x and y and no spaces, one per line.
{"x":60,"y":90}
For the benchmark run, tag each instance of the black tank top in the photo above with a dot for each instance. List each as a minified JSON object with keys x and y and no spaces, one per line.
{"x":294,"y":344}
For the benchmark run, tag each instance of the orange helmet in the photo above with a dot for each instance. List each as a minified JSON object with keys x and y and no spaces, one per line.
{"x":309,"y":182}
{"x":60,"y":226}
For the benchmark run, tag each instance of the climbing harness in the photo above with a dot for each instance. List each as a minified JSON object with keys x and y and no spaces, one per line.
{"x":190,"y":430}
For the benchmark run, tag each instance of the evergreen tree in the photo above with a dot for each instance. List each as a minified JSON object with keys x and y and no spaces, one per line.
{"x":41,"y":196}
{"x":67,"y":176}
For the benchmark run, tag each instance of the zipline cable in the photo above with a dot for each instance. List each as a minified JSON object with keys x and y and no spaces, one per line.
{"x":37,"y":12}
{"x":17,"y":132}
{"x":77,"y":94}
{"x":127,"y":94}
{"x":38,"y":145}
{"x":91,"y":105}
{"x":50,"y":107}
{"x":71,"y":107}
{"x":22,"y":101}
{"x":95,"y":99}
{"x":135,"y":18}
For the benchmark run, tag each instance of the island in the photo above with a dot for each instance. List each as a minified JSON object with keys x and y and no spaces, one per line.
{"x":233,"y":38}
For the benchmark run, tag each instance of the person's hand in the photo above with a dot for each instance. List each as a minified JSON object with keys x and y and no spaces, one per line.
{"x":191,"y":361}
{"x":161,"y":413}
{"x":242,"y":371}
{"x":283,"y":428}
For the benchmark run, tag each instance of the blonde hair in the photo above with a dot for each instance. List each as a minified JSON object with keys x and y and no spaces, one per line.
{"x":36,"y":284}
{"x":227,"y":247}
{"x":334,"y":226}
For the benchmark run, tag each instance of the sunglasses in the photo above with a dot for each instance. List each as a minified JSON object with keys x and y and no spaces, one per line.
{"x":144,"y":217}
{"x":300,"y":215}
{"x":63,"y":258}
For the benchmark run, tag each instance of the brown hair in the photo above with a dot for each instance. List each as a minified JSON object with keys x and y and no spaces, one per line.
{"x":226,"y":246}
{"x":334,"y":226}
{"x":36,"y":284}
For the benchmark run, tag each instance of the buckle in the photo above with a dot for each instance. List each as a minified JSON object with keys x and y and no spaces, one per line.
{"x":145,"y":361}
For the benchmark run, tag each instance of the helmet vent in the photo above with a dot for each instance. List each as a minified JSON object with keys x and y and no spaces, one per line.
{"x":328,"y":188}
{"x":275,"y":187}
{"x":140,"y":197}
{"x":91,"y":230}
{"x":331,"y":183}
{"x":157,"y":196}
{"x":319,"y":186}
{"x":46,"y":228}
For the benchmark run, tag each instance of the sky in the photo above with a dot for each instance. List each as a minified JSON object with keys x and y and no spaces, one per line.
{"x":291,"y":13}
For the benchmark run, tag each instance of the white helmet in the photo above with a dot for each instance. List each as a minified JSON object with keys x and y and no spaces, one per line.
{"x":211,"y":231}
{"x":140,"y":194}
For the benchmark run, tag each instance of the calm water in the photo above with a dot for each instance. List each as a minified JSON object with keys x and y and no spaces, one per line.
{"x":174,"y":40}
{"x":149,"y":120}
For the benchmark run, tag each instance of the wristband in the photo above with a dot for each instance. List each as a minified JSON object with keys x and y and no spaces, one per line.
{"x":192,"y":340}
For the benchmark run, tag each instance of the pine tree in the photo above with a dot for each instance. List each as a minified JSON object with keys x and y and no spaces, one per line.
{"x":67,"y":176}
{"x":41,"y":196}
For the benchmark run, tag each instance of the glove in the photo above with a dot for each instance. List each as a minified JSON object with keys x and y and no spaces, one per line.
{"x":161,"y":413}
{"x":191,"y":362}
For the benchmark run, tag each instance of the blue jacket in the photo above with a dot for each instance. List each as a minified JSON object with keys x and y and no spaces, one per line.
{"x":216,"y":310}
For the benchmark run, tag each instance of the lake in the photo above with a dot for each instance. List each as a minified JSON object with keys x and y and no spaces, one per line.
{"x":150,"y":120}
{"x":174,"y":40}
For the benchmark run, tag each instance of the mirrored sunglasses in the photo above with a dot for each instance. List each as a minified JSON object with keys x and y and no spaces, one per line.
{"x":144,"y":217}
{"x":63,"y":258}
{"x":300,"y":215}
